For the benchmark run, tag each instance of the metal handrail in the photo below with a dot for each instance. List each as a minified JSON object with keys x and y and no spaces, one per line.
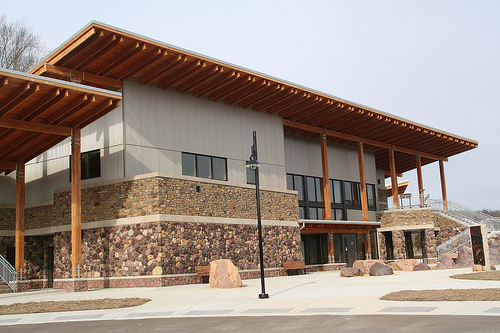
{"x":452,"y":244}
{"x":8,"y":273}
{"x":465,"y":214}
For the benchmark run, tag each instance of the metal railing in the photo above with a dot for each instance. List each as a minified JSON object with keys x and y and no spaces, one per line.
{"x":8,"y":273}
{"x":452,"y":244}
{"x":466,"y":215}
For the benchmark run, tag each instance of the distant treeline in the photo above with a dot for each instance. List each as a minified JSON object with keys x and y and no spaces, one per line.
{"x":492,"y":212}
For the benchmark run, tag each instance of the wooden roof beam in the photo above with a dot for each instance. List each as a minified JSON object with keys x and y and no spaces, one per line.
{"x":239,"y":86}
{"x":150,"y":59}
{"x":128,"y":53}
{"x":388,"y":173}
{"x":4,"y":82}
{"x":105,"y":107}
{"x":219,"y":85}
{"x":79,"y":76}
{"x":286,"y":95}
{"x":74,"y":107}
{"x":91,"y":33}
{"x":314,"y":129}
{"x":240,"y":98}
{"x":277,"y":89}
{"x":106,"y":45}
{"x":164,"y":68}
{"x":212,"y":71}
{"x":34,"y":127}
{"x":8,"y":165}
{"x":290,"y":103}
{"x":185,"y":73}
{"x":301,"y":107}
{"x":19,"y":96}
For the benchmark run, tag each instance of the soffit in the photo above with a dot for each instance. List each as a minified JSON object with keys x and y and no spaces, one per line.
{"x":37,"y":113}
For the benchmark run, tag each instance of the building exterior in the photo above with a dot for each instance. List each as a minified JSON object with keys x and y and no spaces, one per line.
{"x":164,"y":186}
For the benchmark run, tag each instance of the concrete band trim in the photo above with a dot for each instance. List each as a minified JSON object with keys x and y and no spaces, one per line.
{"x":149,"y":219}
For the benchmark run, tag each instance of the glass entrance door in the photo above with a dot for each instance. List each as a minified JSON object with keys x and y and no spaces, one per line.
{"x":349,"y":248}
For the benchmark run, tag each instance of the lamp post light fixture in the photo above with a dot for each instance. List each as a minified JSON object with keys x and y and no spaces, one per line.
{"x":253,"y":164}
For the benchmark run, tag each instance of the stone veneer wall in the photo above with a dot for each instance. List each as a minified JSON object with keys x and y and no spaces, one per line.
{"x":160,"y":195}
{"x":447,"y":228}
{"x":398,"y":241}
{"x":405,"y":217}
{"x":162,"y":252}
{"x":161,"y":248}
{"x":383,"y":246}
{"x":7,"y":218}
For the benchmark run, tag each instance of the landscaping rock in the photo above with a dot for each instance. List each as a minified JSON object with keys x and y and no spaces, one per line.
{"x":477,"y":268}
{"x":407,"y":264}
{"x":396,"y":266}
{"x":421,"y":267}
{"x":223,"y":274}
{"x":445,"y":262}
{"x":494,"y":245}
{"x":351,"y":271}
{"x":364,"y":265}
{"x":379,"y":269}
{"x":465,"y":258}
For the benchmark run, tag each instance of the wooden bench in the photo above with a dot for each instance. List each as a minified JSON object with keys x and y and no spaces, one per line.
{"x":203,"y":272}
{"x":294,"y":265}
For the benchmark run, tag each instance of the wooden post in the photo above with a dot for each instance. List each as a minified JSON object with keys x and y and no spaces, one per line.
{"x":394,"y":179}
{"x":362,"y":180}
{"x":420,"y":180}
{"x":76,"y":204}
{"x":443,"y":185}
{"x":326,"y":178}
{"x":20,"y":201}
{"x":368,"y":246}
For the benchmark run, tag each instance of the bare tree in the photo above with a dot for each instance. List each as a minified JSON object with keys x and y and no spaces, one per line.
{"x":20,"y":48}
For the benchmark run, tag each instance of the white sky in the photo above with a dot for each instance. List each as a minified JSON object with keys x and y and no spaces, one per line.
{"x":435,"y":62}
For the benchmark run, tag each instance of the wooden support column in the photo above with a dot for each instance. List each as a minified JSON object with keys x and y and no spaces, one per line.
{"x":368,"y":246}
{"x":443,"y":185}
{"x":76,"y":204}
{"x":394,"y":179}
{"x":19,"y":239}
{"x":326,"y":178}
{"x":362,"y":181}
{"x":420,"y":180}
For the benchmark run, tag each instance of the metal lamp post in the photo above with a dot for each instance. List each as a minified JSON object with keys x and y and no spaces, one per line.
{"x":253,"y":164}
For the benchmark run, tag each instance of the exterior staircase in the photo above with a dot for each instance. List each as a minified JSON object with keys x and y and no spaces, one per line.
{"x":4,"y":287}
{"x":464,"y":216}
{"x":7,"y":276}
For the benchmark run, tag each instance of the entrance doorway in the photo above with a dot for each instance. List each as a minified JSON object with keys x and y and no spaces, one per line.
{"x":349,"y":246}
{"x":315,"y":249}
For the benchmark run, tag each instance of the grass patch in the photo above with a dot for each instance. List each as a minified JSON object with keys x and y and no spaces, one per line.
{"x":61,"y":306}
{"x":489,"y":275}
{"x":453,"y":295}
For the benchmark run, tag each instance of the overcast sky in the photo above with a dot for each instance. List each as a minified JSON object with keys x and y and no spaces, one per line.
{"x":433,"y":62}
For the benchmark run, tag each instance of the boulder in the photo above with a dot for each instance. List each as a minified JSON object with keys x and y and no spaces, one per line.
{"x":223,"y":274}
{"x":379,"y":269}
{"x":464,"y":258}
{"x":364,"y":265}
{"x":446,"y":262}
{"x":350,"y":272}
{"x":396,"y":266}
{"x":494,"y":245}
{"x":407,"y":264}
{"x":421,"y":267}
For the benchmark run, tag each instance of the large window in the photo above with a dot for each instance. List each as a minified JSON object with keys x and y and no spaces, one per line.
{"x":90,"y":164}
{"x":204,"y":166}
{"x":343,"y":194}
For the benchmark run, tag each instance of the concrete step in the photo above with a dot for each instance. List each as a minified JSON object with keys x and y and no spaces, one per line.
{"x":4,"y":288}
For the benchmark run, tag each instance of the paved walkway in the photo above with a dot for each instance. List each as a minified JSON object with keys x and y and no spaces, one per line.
{"x":322,"y":293}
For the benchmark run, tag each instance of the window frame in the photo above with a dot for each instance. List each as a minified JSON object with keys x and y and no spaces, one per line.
{"x":198,"y":159}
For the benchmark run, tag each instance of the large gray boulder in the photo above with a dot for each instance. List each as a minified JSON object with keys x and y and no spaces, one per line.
{"x":445,"y":262}
{"x":379,"y":269}
{"x":465,"y":258}
{"x":421,"y":267}
{"x":494,"y":245}
{"x":351,"y":271}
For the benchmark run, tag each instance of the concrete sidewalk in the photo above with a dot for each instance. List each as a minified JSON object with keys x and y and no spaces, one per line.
{"x":322,"y":293}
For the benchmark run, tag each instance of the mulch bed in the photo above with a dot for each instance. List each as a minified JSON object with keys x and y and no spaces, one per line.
{"x":490,"y":275}
{"x":61,"y":306}
{"x":489,"y":294}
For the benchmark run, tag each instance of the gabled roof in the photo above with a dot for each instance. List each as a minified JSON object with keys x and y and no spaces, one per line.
{"x":102,"y":56}
{"x":37,"y":113}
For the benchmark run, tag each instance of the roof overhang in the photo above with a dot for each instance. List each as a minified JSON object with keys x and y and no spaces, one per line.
{"x":335,"y":222}
{"x":103,"y":56}
{"x":37,"y":113}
